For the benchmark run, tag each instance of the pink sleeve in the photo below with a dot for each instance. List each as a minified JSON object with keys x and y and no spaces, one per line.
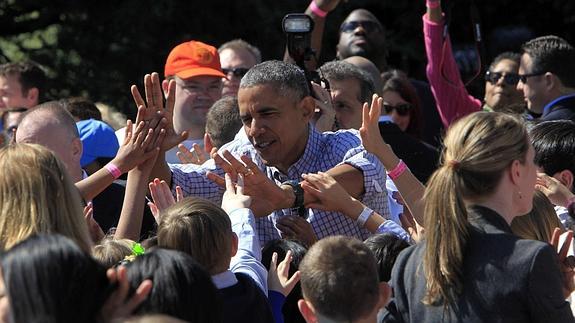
{"x":451,"y":98}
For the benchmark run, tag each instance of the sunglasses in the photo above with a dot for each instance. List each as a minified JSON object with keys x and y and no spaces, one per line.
{"x":368,"y":26}
{"x":401,"y":109}
{"x":508,"y":78}
{"x":524,"y":77}
{"x":237,"y":72}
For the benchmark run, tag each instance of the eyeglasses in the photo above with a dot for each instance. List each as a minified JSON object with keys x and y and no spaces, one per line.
{"x":523,"y":77}
{"x":368,"y":26}
{"x":508,"y":78}
{"x":237,"y":72}
{"x":401,"y":109}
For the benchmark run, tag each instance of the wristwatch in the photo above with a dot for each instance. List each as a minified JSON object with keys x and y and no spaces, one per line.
{"x":298,"y":192}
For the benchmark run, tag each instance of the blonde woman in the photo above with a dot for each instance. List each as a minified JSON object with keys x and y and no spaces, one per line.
{"x":471,"y":267}
{"x":37,"y":196}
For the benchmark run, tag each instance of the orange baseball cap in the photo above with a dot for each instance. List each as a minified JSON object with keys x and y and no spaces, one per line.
{"x":193,"y":58}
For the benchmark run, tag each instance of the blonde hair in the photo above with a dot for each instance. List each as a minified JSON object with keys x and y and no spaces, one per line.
{"x":478,"y":148}
{"x":111,"y":251}
{"x":539,"y":223}
{"x":38,"y":196}
{"x":199,"y":228}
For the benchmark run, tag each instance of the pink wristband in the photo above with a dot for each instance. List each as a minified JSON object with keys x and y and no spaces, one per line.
{"x":397,"y":171}
{"x":317,"y":10}
{"x":114,"y":170}
{"x":432,"y":4}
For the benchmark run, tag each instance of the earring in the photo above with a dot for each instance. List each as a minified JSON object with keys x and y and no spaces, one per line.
{"x":520,"y":195}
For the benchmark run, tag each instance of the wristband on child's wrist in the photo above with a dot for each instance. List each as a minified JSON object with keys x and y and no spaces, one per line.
{"x":432,"y":4}
{"x":398,"y":170}
{"x":113,"y":170}
{"x":364,"y":216}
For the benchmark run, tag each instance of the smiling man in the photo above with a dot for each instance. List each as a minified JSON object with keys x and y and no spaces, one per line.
{"x":276,"y":108}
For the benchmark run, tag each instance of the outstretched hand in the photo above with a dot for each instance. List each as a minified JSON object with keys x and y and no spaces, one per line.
{"x":154,"y":110}
{"x":331,"y":196}
{"x":265,"y":194}
{"x":555,"y":191}
{"x":162,"y":196}
{"x":369,"y":131}
{"x":234,"y":197}
{"x":324,"y":119}
{"x":566,"y":263}
{"x":119,"y":304}
{"x":196,"y":155}
{"x":278,"y":275}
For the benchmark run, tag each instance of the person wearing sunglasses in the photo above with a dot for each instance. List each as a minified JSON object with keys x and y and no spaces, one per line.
{"x":237,"y":57}
{"x":547,"y":77}
{"x":452,"y":99}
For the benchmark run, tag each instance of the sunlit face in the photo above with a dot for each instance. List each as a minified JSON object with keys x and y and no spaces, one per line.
{"x":363,"y":36}
{"x":345,"y":96}
{"x":4,"y":302}
{"x":500,"y":93}
{"x":231,"y":59}
{"x":534,"y":91}
{"x":393,"y":99}
{"x":11,"y":93}
{"x":275,"y":123}
{"x":194,"y":97}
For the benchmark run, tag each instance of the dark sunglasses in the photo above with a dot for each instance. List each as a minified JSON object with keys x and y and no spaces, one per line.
{"x":368,"y":26}
{"x":524,"y":77}
{"x":401,"y":109}
{"x":237,"y":72}
{"x":508,"y":78}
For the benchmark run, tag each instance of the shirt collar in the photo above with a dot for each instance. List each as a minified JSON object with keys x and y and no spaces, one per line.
{"x":385,"y":118}
{"x":225,"y":279}
{"x":547,"y":107}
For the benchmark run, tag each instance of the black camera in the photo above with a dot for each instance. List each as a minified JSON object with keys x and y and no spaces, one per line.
{"x":298,"y":28}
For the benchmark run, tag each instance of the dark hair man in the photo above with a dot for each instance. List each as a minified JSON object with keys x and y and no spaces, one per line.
{"x":22,"y":84}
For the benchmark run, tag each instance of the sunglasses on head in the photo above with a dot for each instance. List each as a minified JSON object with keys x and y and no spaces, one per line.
{"x":368,"y":26}
{"x":401,"y":109}
{"x":508,"y":78}
{"x":237,"y":72}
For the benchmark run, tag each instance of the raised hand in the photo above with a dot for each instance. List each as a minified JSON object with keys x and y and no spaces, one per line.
{"x":266,"y":195}
{"x":295,"y":227}
{"x":369,"y":131}
{"x":330,"y":195}
{"x":196,"y":155}
{"x":94,"y":228}
{"x":162,"y":196}
{"x":555,"y":191}
{"x":566,"y":263}
{"x":119,"y":304}
{"x":278,"y":276}
{"x":155,"y":111}
{"x":324,"y":119}
{"x":234,"y":197}
{"x":139,"y":145}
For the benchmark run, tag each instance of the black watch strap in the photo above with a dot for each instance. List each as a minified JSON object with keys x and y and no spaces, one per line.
{"x":298,"y":192}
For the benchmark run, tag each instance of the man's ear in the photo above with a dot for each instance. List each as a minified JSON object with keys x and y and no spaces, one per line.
{"x":77,"y":149}
{"x":208,"y":145}
{"x":384,"y":295}
{"x":307,"y":311}
{"x":32,"y":96}
{"x":565,"y":177}
{"x":552,"y":82}
{"x":165,"y":87}
{"x":234,"y":244}
{"x":307,"y":107}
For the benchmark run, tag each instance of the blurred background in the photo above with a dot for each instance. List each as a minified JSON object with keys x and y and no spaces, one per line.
{"x":97,"y":49}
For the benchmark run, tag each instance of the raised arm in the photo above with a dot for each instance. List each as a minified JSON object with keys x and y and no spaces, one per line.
{"x":410,"y":188}
{"x":451,"y":97}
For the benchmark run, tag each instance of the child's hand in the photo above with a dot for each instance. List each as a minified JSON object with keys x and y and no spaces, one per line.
{"x":278,"y":278}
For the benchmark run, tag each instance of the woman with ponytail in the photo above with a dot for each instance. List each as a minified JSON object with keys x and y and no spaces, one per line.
{"x":470,"y":267}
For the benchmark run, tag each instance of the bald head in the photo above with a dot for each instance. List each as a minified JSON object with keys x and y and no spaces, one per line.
{"x":51,"y":126}
{"x":367,"y":66}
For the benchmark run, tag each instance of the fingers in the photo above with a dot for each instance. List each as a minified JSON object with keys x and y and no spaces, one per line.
{"x":238,"y":166}
{"x":157,"y":92}
{"x":184,"y":154}
{"x":274,"y":262}
{"x":565,"y":246}
{"x":155,"y":211}
{"x":555,"y":238}
{"x":139,"y":296}
{"x":220,"y":181}
{"x":240,"y":186}
{"x":149,"y":90}
{"x":138,"y":100}
{"x":229,"y":184}
{"x":179,"y":194}
{"x":171,"y":99}
{"x":200,"y":154}
{"x":224,"y":164}
{"x":128,"y":132}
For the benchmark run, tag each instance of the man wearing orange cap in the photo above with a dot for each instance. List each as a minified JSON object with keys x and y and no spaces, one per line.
{"x":196,"y":68}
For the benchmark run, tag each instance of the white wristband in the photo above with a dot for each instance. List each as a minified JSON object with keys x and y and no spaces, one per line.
{"x":364,"y":216}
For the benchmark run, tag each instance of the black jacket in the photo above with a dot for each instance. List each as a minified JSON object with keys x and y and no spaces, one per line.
{"x":505,"y":279}
{"x":420,"y":157}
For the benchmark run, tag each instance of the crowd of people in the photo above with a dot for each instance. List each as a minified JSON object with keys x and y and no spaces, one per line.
{"x":244,"y":192}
